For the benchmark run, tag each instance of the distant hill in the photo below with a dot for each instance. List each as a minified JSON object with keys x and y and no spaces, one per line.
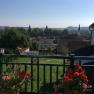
{"x":76,"y":28}
{"x":2,"y":27}
{"x":82,"y":29}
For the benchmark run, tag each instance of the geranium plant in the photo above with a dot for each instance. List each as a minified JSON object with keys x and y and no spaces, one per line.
{"x":12,"y":79}
{"x":74,"y":80}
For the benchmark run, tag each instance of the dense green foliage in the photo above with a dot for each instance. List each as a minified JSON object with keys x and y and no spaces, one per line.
{"x":13,"y":37}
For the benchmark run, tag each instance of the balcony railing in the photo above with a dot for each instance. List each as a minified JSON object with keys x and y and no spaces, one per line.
{"x":44,"y":70}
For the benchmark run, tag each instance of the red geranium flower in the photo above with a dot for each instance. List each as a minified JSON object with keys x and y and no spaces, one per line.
{"x":86,"y":81}
{"x":66,"y":77}
{"x":79,"y":67}
{"x":70,"y":73}
{"x":70,"y":79}
{"x":23,"y":74}
{"x":74,"y":79}
{"x":76,"y":74}
{"x":83,"y":76}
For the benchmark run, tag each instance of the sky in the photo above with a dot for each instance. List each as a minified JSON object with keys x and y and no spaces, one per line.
{"x":53,"y":13}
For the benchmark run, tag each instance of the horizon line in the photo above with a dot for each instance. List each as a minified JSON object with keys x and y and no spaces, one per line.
{"x":40,"y":26}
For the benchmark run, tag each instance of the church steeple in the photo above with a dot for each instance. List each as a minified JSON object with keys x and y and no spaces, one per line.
{"x":79,"y":29}
{"x":29,"y":30}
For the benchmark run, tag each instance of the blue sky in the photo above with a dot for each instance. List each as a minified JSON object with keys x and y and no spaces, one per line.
{"x":39,"y":13}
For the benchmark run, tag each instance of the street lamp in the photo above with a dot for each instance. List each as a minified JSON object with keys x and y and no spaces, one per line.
{"x":91,"y":28}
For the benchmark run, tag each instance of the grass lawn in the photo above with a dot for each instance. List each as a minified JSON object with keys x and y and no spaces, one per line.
{"x":41,"y":60}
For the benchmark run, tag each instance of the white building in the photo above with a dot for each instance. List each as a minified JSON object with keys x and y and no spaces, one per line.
{"x":2,"y":50}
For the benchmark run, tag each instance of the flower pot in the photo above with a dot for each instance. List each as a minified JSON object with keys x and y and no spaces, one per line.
{"x":73,"y":92}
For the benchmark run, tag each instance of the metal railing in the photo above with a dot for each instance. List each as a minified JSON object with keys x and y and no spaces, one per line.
{"x":43,"y":73}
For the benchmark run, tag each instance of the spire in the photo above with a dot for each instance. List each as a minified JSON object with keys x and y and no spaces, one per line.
{"x":29,"y":30}
{"x":79,"y":27}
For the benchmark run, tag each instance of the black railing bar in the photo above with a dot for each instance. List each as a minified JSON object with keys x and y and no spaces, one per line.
{"x":83,"y":57}
{"x":25,"y":82}
{"x":56,"y":73}
{"x":52,"y":57}
{"x":50,"y":79}
{"x":36,"y":64}
{"x":80,"y":62}
{"x":58,"y":65}
{"x":42,"y":64}
{"x":32,"y":75}
{"x":52,"y":64}
{"x":35,"y":56}
{"x":44,"y":75}
{"x":38,"y":75}
{"x":41,"y":93}
{"x":87,"y":65}
{"x":64,"y":65}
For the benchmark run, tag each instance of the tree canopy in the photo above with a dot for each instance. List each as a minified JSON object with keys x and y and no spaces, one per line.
{"x":14,"y":37}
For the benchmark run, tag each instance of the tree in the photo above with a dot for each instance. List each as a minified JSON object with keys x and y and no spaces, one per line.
{"x":65,"y":32}
{"x":34,"y":46}
{"x":36,"y":32}
{"x":13,"y":38}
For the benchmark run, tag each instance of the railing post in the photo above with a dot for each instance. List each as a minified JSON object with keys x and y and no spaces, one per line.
{"x":1,"y":63}
{"x":32,"y":74}
{"x":37,"y":75}
{"x":71,"y":61}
